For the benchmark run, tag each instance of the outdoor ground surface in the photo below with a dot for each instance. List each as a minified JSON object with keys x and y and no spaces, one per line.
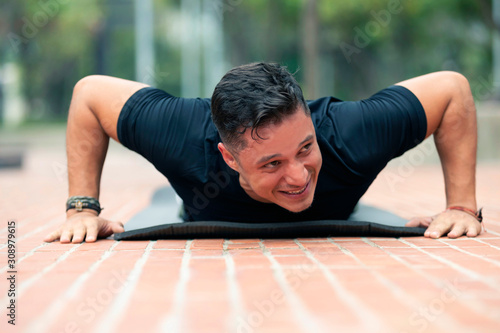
{"x":290,"y":285}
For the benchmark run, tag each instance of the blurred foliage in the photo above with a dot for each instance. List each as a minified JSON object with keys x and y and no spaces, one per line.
{"x":363,"y":45}
{"x":418,"y":37}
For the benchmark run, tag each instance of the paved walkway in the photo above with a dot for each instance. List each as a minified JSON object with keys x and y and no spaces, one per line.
{"x":294,"y":285}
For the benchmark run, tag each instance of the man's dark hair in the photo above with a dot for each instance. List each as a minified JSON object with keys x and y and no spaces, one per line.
{"x":253,"y":96}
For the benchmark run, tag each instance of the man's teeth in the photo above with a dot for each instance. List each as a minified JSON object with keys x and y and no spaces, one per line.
{"x":295,"y":192}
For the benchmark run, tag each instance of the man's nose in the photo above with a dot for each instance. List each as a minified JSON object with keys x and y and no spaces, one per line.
{"x":296,"y":174}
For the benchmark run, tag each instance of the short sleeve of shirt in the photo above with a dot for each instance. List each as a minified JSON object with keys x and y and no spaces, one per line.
{"x":367,"y":134}
{"x":168,"y":131}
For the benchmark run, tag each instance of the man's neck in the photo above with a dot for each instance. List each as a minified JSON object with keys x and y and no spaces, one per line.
{"x":250,"y":191}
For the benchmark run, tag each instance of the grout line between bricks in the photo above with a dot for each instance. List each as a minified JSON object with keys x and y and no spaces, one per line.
{"x":44,"y":321}
{"x":52,"y":221}
{"x":481,"y":241}
{"x":471,"y":304}
{"x":471,"y":274}
{"x":233,"y":290}
{"x":463,"y":237}
{"x":49,"y":215}
{"x":35,"y":277}
{"x":492,"y":232}
{"x":491,"y":261}
{"x":457,"y":267}
{"x":120,"y":303}
{"x":27,"y":255}
{"x":399,"y":293}
{"x":27,"y":283}
{"x":172,"y":323}
{"x":369,"y":320}
{"x":307,"y":321}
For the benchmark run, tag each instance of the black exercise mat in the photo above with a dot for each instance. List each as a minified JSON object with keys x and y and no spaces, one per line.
{"x":160,"y":220}
{"x":219,"y":229}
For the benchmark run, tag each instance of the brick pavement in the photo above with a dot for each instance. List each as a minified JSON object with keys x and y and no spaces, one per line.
{"x":295,"y":285}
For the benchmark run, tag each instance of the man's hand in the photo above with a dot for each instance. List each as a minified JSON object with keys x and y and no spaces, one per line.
{"x":84,"y":225}
{"x":454,"y":223}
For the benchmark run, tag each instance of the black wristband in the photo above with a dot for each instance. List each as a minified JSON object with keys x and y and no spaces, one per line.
{"x":81,"y":202}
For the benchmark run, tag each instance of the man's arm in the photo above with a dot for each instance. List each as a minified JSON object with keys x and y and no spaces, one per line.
{"x":451,"y":116}
{"x":92,"y":119}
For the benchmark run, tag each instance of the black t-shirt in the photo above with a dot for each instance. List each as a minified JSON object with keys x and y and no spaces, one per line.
{"x":356,"y":140}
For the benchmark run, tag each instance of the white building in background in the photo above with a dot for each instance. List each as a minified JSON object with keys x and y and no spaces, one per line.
{"x":202,"y":46}
{"x":198,"y":29}
{"x":144,"y":42}
{"x":13,"y":105}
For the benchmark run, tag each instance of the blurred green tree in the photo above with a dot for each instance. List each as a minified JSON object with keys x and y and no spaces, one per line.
{"x":54,"y":44}
{"x":348,"y":49}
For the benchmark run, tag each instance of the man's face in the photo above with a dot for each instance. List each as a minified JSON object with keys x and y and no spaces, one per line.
{"x":283,"y":168}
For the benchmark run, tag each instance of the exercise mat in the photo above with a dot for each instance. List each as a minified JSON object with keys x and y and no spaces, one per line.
{"x":220,"y":229}
{"x":160,"y":221}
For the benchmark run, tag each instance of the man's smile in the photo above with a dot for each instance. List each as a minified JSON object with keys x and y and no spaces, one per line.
{"x":297,"y":194}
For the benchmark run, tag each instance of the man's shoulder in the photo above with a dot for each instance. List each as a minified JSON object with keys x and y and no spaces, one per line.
{"x":320,"y":110}
{"x":322,"y":103}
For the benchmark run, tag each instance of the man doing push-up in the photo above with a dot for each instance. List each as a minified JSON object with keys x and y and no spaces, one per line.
{"x":258,"y":151}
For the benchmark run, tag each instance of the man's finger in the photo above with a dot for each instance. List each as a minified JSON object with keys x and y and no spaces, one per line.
{"x":473,"y":231}
{"x":419,"y":222}
{"x":92,"y":232}
{"x":52,"y":236}
{"x":457,"y":231}
{"x":413,"y":223}
{"x":66,"y":236}
{"x":78,"y":235}
{"x":437,"y":230}
{"x":91,"y":237}
{"x":117,"y":227}
{"x":110,"y":228}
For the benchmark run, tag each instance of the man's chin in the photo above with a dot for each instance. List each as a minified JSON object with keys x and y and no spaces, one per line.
{"x":297,"y":205}
{"x":297,"y":208}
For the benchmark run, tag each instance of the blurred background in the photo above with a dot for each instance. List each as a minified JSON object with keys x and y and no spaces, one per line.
{"x":348,"y":49}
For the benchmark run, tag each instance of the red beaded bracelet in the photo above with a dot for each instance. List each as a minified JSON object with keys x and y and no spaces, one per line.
{"x":478,"y":215}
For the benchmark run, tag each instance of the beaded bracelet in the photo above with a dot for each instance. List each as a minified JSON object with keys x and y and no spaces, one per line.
{"x":81,"y":202}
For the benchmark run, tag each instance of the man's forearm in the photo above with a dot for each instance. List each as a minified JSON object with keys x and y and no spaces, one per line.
{"x":456,"y":142}
{"x":86,"y":147}
{"x":93,"y":116}
{"x":451,"y":116}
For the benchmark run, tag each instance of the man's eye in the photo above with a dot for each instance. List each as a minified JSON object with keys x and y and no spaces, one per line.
{"x":306,"y":147}
{"x":272,"y":164}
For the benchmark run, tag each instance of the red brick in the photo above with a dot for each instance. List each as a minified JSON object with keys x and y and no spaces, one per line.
{"x":492,"y":241}
{"x":243,"y":246}
{"x":393,"y":243}
{"x":207,"y":244}
{"x":170,"y":244}
{"x":101,"y":245}
{"x":154,"y":293}
{"x":286,"y":252}
{"x":206,"y":253}
{"x":250,"y":262}
{"x":283,"y":243}
{"x":425,"y":242}
{"x":131,"y":245}
{"x":206,"y":304}
{"x":245,"y":252}
{"x":98,"y":292}
{"x":463,"y":242}
{"x":244,"y":241}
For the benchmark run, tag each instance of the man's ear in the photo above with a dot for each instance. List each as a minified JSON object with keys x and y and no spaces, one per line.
{"x":228,"y":157}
